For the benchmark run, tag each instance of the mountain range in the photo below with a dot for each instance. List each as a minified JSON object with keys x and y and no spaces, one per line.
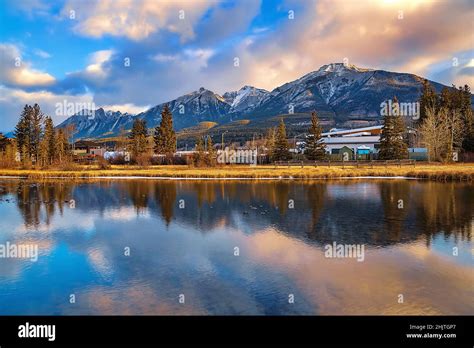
{"x":339,"y":93}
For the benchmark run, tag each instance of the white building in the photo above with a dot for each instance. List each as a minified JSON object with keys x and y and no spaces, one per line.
{"x":359,"y":141}
{"x":362,"y":145}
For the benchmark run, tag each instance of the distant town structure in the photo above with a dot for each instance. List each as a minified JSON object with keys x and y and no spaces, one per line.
{"x":359,"y":144}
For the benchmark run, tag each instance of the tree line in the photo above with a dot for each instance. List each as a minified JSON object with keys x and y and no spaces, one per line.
{"x":164,"y":138}
{"x":445,"y":126}
{"x":36,"y":141}
{"x":446,"y":123}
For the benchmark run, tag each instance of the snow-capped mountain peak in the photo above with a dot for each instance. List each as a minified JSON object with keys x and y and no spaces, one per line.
{"x":245,"y":98}
{"x":336,"y":91}
{"x":340,"y":67}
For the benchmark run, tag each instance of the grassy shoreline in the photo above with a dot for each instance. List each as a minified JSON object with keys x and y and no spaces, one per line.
{"x":451,"y":172}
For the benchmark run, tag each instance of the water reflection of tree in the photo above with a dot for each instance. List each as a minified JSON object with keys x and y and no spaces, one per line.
{"x":165,"y":196}
{"x":139,"y":193}
{"x":276,"y":194}
{"x":205,"y":192}
{"x":315,"y":195}
{"x":33,"y":198}
{"x":395,"y":196}
{"x":445,"y":207}
{"x":429,"y":208}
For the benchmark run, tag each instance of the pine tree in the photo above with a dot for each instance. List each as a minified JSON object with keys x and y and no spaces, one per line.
{"x":281,"y":152}
{"x":468,"y":119}
{"x":428,"y":99}
{"x":23,"y":133}
{"x":211,"y":155}
{"x":43,"y":153}
{"x":3,"y":142}
{"x":62,"y":149}
{"x":400,"y":146}
{"x":315,"y":148}
{"x":199,"y":154}
{"x":138,"y":137}
{"x":446,"y":99}
{"x":49,"y":140}
{"x":37,"y":118}
{"x":270,"y":142}
{"x":392,"y":144}
{"x":165,"y":136}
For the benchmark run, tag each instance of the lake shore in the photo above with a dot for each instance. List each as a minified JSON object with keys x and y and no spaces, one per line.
{"x":437,"y":172}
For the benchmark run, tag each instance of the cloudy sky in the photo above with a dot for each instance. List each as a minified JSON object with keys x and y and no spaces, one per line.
{"x":129,"y":55}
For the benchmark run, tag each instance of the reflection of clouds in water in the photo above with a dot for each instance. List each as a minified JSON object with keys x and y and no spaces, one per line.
{"x":206,"y":270}
{"x":83,"y":222}
{"x":444,"y":248}
{"x":193,"y":254}
{"x":125,"y":213}
{"x":215,"y":280}
{"x":362,"y":191}
{"x":136,"y":299}
{"x":100,"y":262}
{"x":370,"y":287}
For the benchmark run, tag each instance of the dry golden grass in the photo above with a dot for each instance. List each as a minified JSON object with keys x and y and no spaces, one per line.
{"x":452,"y":172}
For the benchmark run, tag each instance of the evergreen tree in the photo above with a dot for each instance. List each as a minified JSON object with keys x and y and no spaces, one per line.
{"x":468,"y":118}
{"x":315,"y":148}
{"x":43,"y":153}
{"x":428,"y":99}
{"x":211,"y":155}
{"x":281,"y":151}
{"x":62,"y":148}
{"x":49,"y":139}
{"x":199,"y":156}
{"x":3,"y":142}
{"x":165,"y":136}
{"x":37,"y":118}
{"x":392,"y":144}
{"x":138,"y":137}
{"x":446,"y":99}
{"x":23,"y":133}
{"x":270,"y":142}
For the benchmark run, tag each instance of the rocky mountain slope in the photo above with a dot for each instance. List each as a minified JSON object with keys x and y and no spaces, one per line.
{"x":338,"y":92}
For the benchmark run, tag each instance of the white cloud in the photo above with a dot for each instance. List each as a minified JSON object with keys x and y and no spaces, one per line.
{"x":130,"y":108}
{"x":15,"y":71}
{"x":96,"y":62}
{"x":137,"y":20}
{"x":42,"y":54}
{"x":12,"y":101}
{"x":369,"y":33}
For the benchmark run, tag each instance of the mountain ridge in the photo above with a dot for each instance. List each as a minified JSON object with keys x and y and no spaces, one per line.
{"x":337,"y":91}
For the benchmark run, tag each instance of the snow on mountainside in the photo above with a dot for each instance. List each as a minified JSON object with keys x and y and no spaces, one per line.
{"x":190,"y":109}
{"x":341,"y":92}
{"x":245,"y":98}
{"x":94,"y":123}
{"x":336,"y":91}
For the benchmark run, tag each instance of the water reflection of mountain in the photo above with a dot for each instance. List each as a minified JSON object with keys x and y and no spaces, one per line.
{"x":376,"y":212}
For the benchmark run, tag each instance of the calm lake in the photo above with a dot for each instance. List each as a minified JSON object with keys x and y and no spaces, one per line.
{"x":236,"y":247}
